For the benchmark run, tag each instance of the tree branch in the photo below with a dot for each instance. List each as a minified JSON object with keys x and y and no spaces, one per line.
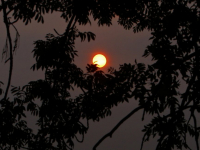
{"x":57,"y":32}
{"x":142,"y":143}
{"x":10,"y":46}
{"x":160,"y":141}
{"x":195,"y":74}
{"x":117,"y":126}
{"x":194,"y":103}
{"x":14,"y":21}
{"x":185,"y":96}
{"x":82,"y":90}
{"x":196,"y":133}
{"x":69,"y":24}
{"x":80,"y":141}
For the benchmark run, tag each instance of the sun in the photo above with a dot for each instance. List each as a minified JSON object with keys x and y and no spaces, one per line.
{"x":100,"y":60}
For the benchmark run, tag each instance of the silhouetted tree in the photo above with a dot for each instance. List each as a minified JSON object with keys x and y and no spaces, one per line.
{"x":174,"y":26}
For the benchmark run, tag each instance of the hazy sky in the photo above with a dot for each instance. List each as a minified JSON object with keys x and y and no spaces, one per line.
{"x":119,"y":46}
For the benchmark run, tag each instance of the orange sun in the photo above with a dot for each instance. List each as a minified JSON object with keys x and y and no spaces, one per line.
{"x":100,"y":60}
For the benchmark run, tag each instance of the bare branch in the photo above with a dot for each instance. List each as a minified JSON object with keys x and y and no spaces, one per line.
{"x":10,"y":47}
{"x":57,"y":32}
{"x":83,"y":90}
{"x":80,"y":141}
{"x":16,"y":39}
{"x":160,"y":141}
{"x":69,"y":24}
{"x":142,"y":141}
{"x":14,"y":21}
{"x":74,"y":23}
{"x":196,"y":133}
{"x":9,"y":11}
{"x":185,"y":96}
{"x":117,"y":126}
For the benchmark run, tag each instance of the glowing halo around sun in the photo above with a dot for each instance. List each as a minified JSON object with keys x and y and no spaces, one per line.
{"x":100,"y":60}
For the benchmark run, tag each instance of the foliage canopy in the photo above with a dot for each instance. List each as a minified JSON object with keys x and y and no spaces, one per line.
{"x":175,"y":51}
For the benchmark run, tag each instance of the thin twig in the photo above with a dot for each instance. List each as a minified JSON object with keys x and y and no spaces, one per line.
{"x":160,"y":140}
{"x":69,"y":24}
{"x":143,"y":114}
{"x":83,"y":90}
{"x":142,"y":143}
{"x":188,"y":89}
{"x":87,"y":124}
{"x":66,"y":144}
{"x":57,"y":32}
{"x":196,"y":71}
{"x":189,"y":119}
{"x":14,"y":21}
{"x":196,"y":133}
{"x":74,"y":23}
{"x":80,"y":141}
{"x":117,"y":126}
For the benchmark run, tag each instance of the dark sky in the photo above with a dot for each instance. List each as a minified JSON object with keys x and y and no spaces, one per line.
{"x":119,"y":46}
